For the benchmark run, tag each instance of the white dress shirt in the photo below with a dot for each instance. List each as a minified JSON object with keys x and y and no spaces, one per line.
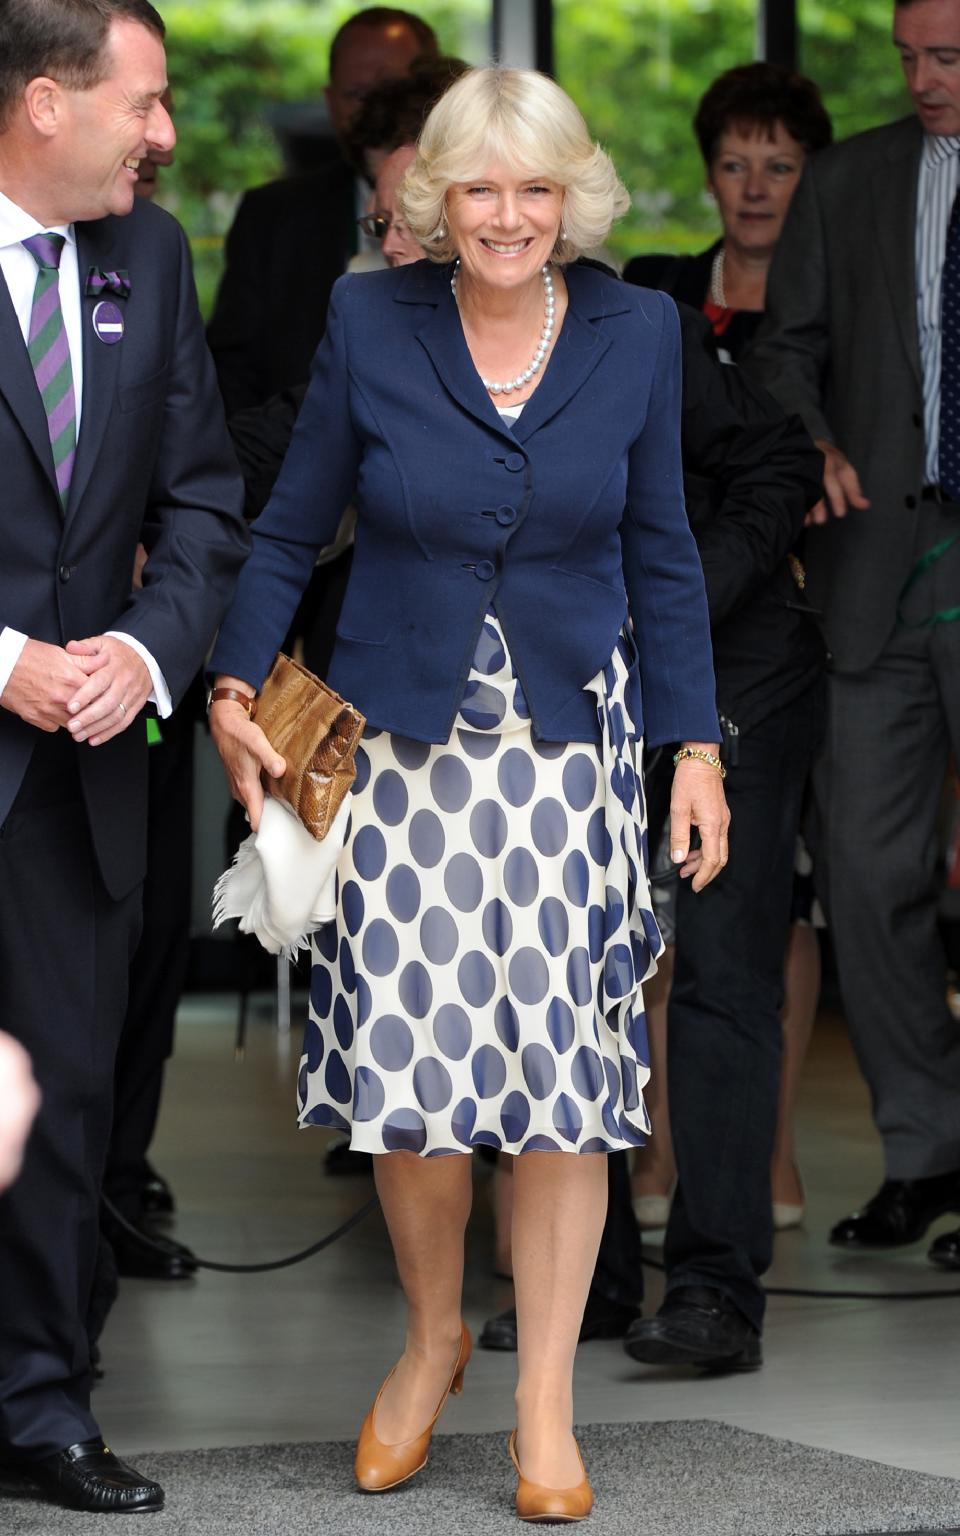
{"x":19,"y":272}
{"x":936,"y":190}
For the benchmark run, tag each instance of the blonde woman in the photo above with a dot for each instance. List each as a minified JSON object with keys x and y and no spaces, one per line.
{"x":507,"y":423}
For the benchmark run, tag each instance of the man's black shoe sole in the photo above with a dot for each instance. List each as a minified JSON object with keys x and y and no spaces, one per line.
{"x":674,"y":1352}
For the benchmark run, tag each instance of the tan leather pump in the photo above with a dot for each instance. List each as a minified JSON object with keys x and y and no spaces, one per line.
{"x":556,"y":1505}
{"x":379,"y":1467}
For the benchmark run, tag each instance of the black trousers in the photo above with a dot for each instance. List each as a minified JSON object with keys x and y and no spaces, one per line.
{"x":724,"y":1034}
{"x":65,"y":947}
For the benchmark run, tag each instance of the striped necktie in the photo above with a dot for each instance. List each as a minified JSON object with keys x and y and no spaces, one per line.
{"x":50,"y":356}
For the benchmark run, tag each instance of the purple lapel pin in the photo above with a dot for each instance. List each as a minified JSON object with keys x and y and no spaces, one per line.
{"x":108,"y":322}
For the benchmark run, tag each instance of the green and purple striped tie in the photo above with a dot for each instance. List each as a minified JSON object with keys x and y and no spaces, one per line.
{"x":50,"y":356}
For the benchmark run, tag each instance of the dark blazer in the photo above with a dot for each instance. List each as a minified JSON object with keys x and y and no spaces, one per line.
{"x":840,"y":346}
{"x":153,"y":457}
{"x":288,"y":244}
{"x":685,"y":278}
{"x":564,"y":522}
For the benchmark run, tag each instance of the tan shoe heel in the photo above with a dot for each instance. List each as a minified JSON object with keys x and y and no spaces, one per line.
{"x":379,"y":1467}
{"x":556,"y":1505}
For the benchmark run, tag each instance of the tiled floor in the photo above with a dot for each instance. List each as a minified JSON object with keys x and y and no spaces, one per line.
{"x":296,"y":1355}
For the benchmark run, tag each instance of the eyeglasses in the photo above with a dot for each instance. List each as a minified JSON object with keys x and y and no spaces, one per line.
{"x":378,"y":225}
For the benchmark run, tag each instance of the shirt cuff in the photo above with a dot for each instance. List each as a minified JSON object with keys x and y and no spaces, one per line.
{"x":161,"y":693}
{"x":11,"y":644}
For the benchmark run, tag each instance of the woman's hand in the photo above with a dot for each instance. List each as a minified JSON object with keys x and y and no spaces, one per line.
{"x":697,"y":800}
{"x":244,"y":749}
{"x":19,"y":1102}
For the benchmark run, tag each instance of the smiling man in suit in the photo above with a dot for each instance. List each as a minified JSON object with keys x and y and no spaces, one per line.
{"x":110,"y":430}
{"x":862,"y":338}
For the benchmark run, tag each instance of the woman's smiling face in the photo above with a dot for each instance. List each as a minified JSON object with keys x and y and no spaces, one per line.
{"x":504,"y":225}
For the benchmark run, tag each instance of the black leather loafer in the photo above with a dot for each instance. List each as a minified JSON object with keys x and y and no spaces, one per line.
{"x":88,"y":1476}
{"x":602,"y":1319}
{"x":149,"y":1257}
{"x":340,"y":1162}
{"x":698,"y":1326}
{"x":156,"y":1196}
{"x":899,"y":1213}
{"x":946,"y":1250}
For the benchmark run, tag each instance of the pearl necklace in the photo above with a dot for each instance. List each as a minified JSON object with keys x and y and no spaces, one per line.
{"x":543,"y":345}
{"x":717,"y":291}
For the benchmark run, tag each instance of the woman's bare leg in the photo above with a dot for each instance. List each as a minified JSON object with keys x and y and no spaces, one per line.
{"x":559,"y":1206}
{"x":801,"y":995}
{"x":426,"y":1202}
{"x":654,"y":1170}
{"x":503,"y":1213}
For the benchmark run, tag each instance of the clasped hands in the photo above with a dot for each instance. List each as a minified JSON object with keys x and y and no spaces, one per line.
{"x":93,"y":688}
{"x":697,"y":800}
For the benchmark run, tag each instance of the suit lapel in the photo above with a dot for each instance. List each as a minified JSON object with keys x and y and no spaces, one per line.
{"x":442,"y":338}
{"x":19,"y":387}
{"x":895,"y":227}
{"x":101,"y":363}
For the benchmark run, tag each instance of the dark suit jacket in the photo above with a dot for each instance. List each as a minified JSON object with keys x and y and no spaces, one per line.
{"x":152,"y":456}
{"x":289,"y":243}
{"x":563,"y":522}
{"x":839,"y":345}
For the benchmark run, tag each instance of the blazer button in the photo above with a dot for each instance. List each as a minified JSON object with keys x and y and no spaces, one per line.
{"x":909,"y":502}
{"x":506,"y":516}
{"x":917,"y":419}
{"x":65,"y":572}
{"x":484,"y":570}
{"x":514,"y":462}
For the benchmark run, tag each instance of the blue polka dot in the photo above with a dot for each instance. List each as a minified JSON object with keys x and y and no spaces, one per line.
{"x":586,"y":1073}
{"x":391,"y":1043}
{"x":635,"y":1029}
{"x":609,"y":1120}
{"x":614,"y":912}
{"x":403,"y":893}
{"x":595,"y":1144}
{"x":567,"y":1118}
{"x":323,"y":1114}
{"x":462,"y":1121}
{"x":560,"y":1025}
{"x":381,"y":948}
{"x":321,"y":991}
{"x":497,"y":926}
{"x":363,"y":772}
{"x":452,"y":1031}
{"x":364,"y":1002}
{"x":416,"y":989}
{"x":579,"y":781}
{"x":390,"y":799}
{"x":628,"y":787}
{"x":576,"y":878}
{"x":516,"y":776}
{"x":507,"y":1024}
{"x":520,"y":706}
{"x":487,"y":1139}
{"x":313,"y":1045}
{"x":515,"y":1116}
{"x":369,"y":853}
{"x":618,"y":726}
{"x":348,"y":974}
{"x":549,"y":749}
{"x":578,"y":976}
{"x":409,"y":753}
{"x":595,"y":932}
{"x":539,"y":1070}
{"x":521,"y":877}
{"x":352,"y":906}
{"x":631,"y":1084}
{"x":450,"y":782}
{"x":476,"y":978}
{"x":439,"y":935}
{"x":630,"y":1134}
{"x":404,"y":1131}
{"x":463,"y":882}
{"x":326,"y":939}
{"x":489,"y":656}
{"x":477,"y":745}
{"x":540,"y":1144}
{"x":488,"y":828}
{"x":303,"y":1084}
{"x":371,"y":732}
{"x":337,"y":1079}
{"x":613,"y":1080}
{"x":618,"y":975}
{"x":529,"y":977}
{"x":553,"y":925}
{"x":489,"y":1071}
{"x":368,"y":1095}
{"x":548,"y":826}
{"x":599,"y":840}
{"x":483,"y":706}
{"x":432,"y":1084}
{"x":343,"y":1022}
{"x":426,"y":838}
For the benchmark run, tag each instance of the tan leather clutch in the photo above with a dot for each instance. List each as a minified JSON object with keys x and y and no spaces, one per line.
{"x":316,"y":732}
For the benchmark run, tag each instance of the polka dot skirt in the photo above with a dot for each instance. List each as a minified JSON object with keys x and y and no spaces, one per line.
{"x":481,"y":982}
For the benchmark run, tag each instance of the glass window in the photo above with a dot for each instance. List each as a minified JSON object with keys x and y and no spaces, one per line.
{"x":849,"y":51}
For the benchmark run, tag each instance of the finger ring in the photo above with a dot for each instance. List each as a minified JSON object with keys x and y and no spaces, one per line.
{"x":122,"y":708}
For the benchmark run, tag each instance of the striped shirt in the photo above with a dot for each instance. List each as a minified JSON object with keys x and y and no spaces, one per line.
{"x":935,"y":195}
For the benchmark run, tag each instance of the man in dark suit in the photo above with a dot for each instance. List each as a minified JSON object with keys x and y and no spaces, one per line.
{"x":867,"y":269}
{"x":111,"y":430}
{"x":271,"y":311}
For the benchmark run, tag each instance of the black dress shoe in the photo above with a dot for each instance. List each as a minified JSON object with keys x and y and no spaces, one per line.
{"x":156,"y":1196}
{"x":602,"y":1319}
{"x":699,"y":1326}
{"x":900,"y":1212}
{"x":89,"y":1477}
{"x":340,"y":1161}
{"x":149,"y":1256}
{"x":946,"y":1250}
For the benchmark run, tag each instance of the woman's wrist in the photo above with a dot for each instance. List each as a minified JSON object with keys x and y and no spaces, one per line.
{"x":232,"y":690}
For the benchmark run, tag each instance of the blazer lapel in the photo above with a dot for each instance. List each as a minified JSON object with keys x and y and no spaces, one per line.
{"x":442,"y":338}
{"x":101,"y":363}
{"x":19,"y":387}
{"x":895,"y":226}
{"x":578,"y":348}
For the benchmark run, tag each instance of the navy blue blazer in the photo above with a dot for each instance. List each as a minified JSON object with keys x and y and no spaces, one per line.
{"x":565,"y":523}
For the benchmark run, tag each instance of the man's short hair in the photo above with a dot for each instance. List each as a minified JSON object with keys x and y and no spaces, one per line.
{"x":394,"y":112}
{"x":385,"y":16}
{"x":64,"y":39}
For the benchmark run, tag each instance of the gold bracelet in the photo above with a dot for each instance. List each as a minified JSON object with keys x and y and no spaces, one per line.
{"x":703,"y":757}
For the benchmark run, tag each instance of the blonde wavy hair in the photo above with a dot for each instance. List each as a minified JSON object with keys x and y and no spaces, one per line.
{"x":523,"y":120}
